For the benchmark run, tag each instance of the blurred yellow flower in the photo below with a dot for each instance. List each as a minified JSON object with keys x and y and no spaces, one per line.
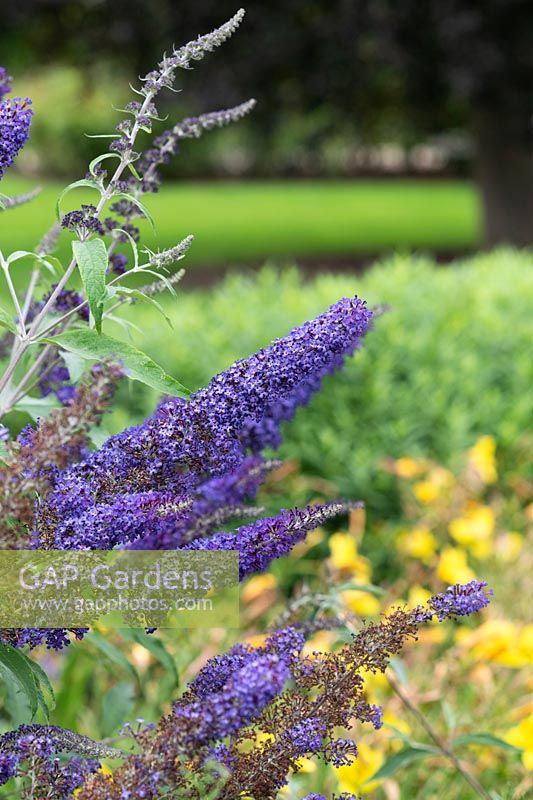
{"x":499,"y":641}
{"x":374,"y":681}
{"x":432,"y":487}
{"x":408,"y":467}
{"x":104,"y":770}
{"x":475,"y":529}
{"x":356,"y":777}
{"x":140,"y":657}
{"x":306,"y":765}
{"x":256,"y":640}
{"x":256,"y":586}
{"x":343,"y":550}
{"x":311,"y":540}
{"x":453,"y":566}
{"x":426,"y":492}
{"x":417,"y":543}
{"x":396,"y":722}
{"x":361,"y":602}
{"x":522,"y":736}
{"x":433,"y":634}
{"x":418,"y":595}
{"x":321,"y":642}
{"x":344,"y":557}
{"x":481,"y":458}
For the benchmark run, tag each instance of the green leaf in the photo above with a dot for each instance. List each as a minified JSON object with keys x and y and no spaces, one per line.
{"x":98,"y":435}
{"x":133,"y":244}
{"x":7,"y":322}
{"x":20,"y":682}
{"x":140,"y":367}
{"x":138,"y":295}
{"x":3,"y":451}
{"x":45,"y":261}
{"x":156,"y":647}
{"x":400,"y":669}
{"x":377,"y":591}
{"x":42,"y":683}
{"x":112,"y":653}
{"x":142,"y":208}
{"x":37,"y":406}
{"x":117,"y":705}
{"x":483,"y":738}
{"x":98,"y":160}
{"x":76,"y":185}
{"x":401,"y":759}
{"x":75,"y":365}
{"x":91,"y":256}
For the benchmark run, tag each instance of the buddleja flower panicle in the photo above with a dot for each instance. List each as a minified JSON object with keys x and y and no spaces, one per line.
{"x":297,"y":703}
{"x":5,"y":82}
{"x":15,"y":120}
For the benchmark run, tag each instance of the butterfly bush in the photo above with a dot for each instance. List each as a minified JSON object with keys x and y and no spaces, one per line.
{"x":184,"y":479}
{"x":15,"y":120}
{"x":250,"y":715}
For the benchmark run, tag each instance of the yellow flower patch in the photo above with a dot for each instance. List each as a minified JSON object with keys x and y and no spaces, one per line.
{"x":482,"y":459}
{"x":475,"y":529}
{"x":453,"y":566}
{"x":522,"y":736}
{"x":356,"y":777}
{"x":360,"y":602}
{"x":417,"y":543}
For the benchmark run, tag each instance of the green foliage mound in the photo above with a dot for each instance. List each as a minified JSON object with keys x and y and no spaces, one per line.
{"x":448,"y":361}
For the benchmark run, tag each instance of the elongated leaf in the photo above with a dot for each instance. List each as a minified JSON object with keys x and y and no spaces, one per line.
{"x":142,"y":208}
{"x":117,"y":705}
{"x":377,"y":591}
{"x":20,"y":681}
{"x":98,"y":160}
{"x":43,"y":683}
{"x":37,"y":406}
{"x":75,"y":364}
{"x":112,"y":653}
{"x":400,"y":669}
{"x":91,"y":256}
{"x":156,"y":647}
{"x":91,"y":184}
{"x":140,"y":367}
{"x":483,"y":738}
{"x":7,"y":322}
{"x":3,"y":451}
{"x":136,"y":294}
{"x":401,"y":759}
{"x":45,"y":261}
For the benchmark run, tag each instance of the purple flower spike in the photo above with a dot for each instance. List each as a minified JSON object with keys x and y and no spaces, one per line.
{"x":460,"y":600}
{"x":5,"y":82}
{"x":15,"y":121}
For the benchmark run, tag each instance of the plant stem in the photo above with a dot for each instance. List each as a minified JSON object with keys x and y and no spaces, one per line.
{"x":28,"y":339}
{"x":14,"y":298}
{"x":436,"y":738}
{"x":34,"y":277}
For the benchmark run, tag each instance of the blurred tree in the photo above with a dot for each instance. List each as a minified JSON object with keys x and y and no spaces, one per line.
{"x":477,"y":56}
{"x":375,"y":69}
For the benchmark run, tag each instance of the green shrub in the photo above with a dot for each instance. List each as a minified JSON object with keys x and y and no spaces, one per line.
{"x":448,"y":361}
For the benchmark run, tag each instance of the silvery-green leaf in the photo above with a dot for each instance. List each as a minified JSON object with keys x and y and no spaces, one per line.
{"x":93,"y":346}
{"x":91,"y":256}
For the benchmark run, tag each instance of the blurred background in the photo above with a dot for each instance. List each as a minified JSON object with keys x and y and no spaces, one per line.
{"x":379,"y":124}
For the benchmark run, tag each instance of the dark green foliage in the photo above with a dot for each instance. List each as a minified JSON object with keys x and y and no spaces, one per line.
{"x":448,"y":362}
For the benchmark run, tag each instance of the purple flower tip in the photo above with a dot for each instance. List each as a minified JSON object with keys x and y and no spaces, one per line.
{"x":460,"y":600}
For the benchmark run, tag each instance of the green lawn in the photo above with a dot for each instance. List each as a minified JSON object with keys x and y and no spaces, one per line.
{"x":242,"y":222}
